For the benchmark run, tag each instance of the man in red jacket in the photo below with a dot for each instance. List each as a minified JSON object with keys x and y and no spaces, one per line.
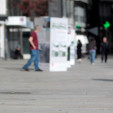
{"x":33,"y":40}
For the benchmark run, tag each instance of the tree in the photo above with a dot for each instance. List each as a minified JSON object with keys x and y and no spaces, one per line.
{"x":32,"y":8}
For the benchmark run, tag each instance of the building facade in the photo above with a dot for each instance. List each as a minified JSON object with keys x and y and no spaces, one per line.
{"x":100,"y":13}
{"x":74,"y":10}
{"x":14,"y":29}
{"x":80,"y":15}
{"x":106,"y":15}
{"x":3,"y":16}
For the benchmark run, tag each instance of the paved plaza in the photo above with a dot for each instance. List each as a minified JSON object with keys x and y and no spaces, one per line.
{"x":84,"y":88}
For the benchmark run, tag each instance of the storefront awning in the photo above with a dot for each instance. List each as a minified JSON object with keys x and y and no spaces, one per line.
{"x":19,"y":21}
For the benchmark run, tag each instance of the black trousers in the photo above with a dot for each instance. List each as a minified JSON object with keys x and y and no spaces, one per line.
{"x":79,"y":54}
{"x":104,"y":56}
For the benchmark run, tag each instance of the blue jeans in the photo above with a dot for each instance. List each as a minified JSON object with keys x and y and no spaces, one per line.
{"x":34,"y":58}
{"x":92,"y":56}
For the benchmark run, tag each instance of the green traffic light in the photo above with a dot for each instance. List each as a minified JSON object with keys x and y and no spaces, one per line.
{"x":107,"y":25}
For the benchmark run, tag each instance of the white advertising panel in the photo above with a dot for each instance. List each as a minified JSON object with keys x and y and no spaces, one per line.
{"x":58,"y":45}
{"x":71,"y":44}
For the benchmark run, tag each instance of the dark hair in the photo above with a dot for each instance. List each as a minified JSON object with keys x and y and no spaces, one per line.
{"x":79,"y":41}
{"x":92,"y":39}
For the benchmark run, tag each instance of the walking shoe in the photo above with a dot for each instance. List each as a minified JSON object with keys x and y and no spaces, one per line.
{"x":38,"y":70}
{"x":25,"y":69}
{"x":93,"y":63}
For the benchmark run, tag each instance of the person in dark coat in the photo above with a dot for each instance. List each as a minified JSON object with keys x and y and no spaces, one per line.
{"x":104,"y":50}
{"x":79,"y":51}
{"x":17,"y":54}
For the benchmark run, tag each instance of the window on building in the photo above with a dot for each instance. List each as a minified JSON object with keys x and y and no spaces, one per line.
{"x":80,"y":16}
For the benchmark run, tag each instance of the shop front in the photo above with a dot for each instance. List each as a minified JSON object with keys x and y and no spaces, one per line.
{"x":18,"y":31}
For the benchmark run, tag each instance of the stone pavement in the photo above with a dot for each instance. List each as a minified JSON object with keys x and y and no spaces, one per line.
{"x":84,"y":88}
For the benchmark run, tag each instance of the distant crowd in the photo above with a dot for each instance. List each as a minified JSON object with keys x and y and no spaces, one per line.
{"x":92,"y":50}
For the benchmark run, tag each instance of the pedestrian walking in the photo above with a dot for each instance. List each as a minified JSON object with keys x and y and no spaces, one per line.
{"x":92,"y":50}
{"x":33,"y":40}
{"x":79,"y":51}
{"x":104,"y":50}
